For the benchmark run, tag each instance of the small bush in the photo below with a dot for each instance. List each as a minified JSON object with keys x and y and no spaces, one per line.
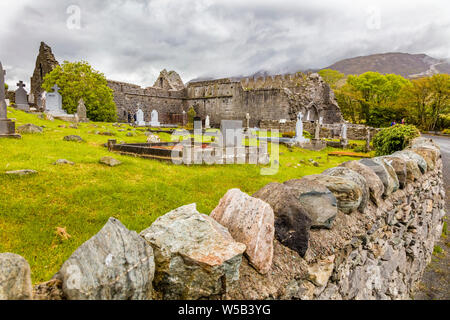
{"x":396,"y":138}
{"x":446,"y":131}
{"x":290,"y":134}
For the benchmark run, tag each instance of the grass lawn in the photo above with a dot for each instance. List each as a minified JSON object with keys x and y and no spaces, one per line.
{"x":82,"y":197}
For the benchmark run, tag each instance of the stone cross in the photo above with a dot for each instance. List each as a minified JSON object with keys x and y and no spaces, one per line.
{"x":344,"y":132}
{"x":2,"y":93}
{"x":299,"y":129}
{"x":247,"y":117}
{"x":368,"y":138}
{"x":317,"y":131}
{"x":21,"y":97}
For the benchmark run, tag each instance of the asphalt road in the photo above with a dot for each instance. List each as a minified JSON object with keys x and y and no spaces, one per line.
{"x":436,"y":280}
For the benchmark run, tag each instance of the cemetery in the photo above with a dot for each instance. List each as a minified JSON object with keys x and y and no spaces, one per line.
{"x":287,"y":216}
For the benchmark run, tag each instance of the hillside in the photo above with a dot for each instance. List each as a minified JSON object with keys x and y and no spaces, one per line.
{"x":404,"y":64}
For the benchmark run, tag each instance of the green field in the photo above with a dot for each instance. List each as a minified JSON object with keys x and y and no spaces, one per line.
{"x":82,"y":197}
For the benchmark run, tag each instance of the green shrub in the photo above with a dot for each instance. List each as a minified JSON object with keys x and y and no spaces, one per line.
{"x":446,"y":131}
{"x":290,"y":134}
{"x":396,"y":138}
{"x":79,"y":80}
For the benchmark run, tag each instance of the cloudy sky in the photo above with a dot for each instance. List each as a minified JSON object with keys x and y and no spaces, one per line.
{"x":132,"y":40}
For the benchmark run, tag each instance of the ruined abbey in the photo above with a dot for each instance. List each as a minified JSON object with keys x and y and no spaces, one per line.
{"x":271,"y":98}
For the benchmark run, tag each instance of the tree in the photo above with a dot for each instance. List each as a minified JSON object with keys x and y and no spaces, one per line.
{"x":191,"y":114}
{"x":331,"y":77}
{"x":6,"y":87}
{"x":375,"y":93}
{"x":428,"y":99}
{"x":440,"y":97}
{"x":79,"y":80}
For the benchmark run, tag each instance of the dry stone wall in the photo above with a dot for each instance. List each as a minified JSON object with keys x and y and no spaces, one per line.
{"x":363,"y":230}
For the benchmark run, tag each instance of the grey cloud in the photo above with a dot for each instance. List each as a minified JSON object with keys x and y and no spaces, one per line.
{"x":133,"y":40}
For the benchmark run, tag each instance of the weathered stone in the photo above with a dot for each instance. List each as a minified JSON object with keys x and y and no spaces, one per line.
{"x":320,"y":272}
{"x":109,"y":161}
{"x":15,"y":278}
{"x":195,"y":256}
{"x":153,"y":139}
{"x":250,"y":221}
{"x":409,"y":155}
{"x":51,"y":290}
{"x":348,"y":193}
{"x":376,"y":186}
{"x":355,"y":177}
{"x":413,"y":172}
{"x":74,"y":138}
{"x":25,"y":172}
{"x":318,"y":201}
{"x":399,"y":166}
{"x":393,"y":183}
{"x":429,"y":154}
{"x":63,"y":161}
{"x":115,"y":264}
{"x":382,"y":173}
{"x":292,"y":222}
{"x":29,"y":128}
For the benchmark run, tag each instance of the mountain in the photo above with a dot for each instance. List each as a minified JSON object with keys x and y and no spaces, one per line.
{"x":404,"y":64}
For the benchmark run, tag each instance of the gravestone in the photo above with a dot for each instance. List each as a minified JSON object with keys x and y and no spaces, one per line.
{"x":21,"y":97}
{"x":155,"y":119}
{"x":185,"y":118}
{"x":198,"y":125}
{"x":368,"y":139}
{"x":53,"y":103}
{"x":232,"y":133}
{"x":321,"y":121}
{"x":140,"y":118}
{"x":299,"y":130}
{"x":31,"y":99}
{"x":317,"y":131}
{"x":308,"y":115}
{"x":247,"y":117}
{"x":207,"y":123}
{"x":344,"y":140}
{"x":7,"y":127}
{"x":81,"y":111}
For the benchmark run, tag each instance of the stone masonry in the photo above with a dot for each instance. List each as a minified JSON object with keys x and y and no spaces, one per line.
{"x":269,"y":98}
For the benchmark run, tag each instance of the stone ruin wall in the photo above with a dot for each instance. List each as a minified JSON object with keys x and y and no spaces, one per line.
{"x":364,"y":230}
{"x":269,"y":98}
{"x":129,"y":97}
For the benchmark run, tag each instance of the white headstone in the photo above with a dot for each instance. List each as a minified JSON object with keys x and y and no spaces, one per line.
{"x":155,"y":119}
{"x":344,"y":132}
{"x":299,"y":129}
{"x":140,"y":118}
{"x":53,"y":103}
{"x":309,"y":114}
{"x":321,"y":120}
{"x":207,"y":123}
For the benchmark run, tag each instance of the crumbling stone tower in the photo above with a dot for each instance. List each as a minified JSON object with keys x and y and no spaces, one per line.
{"x":45,"y":63}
